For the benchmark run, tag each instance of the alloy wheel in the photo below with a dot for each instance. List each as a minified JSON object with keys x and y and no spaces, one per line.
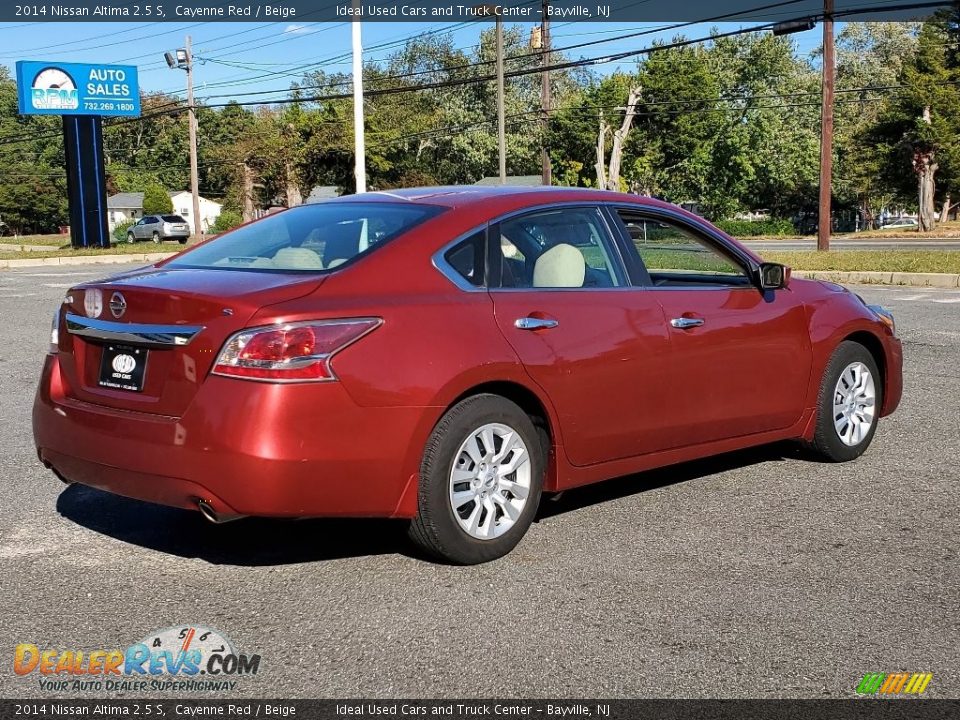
{"x":490,"y":481}
{"x":854,"y":404}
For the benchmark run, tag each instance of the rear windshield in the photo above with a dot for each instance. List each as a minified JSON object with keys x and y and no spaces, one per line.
{"x":311,"y":237}
{"x":173,"y":219}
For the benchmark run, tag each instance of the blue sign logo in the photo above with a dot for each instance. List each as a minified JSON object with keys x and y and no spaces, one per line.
{"x":45,"y":88}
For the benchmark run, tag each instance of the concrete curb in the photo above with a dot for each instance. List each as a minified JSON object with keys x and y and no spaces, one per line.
{"x":85,"y":260}
{"x":935,"y":280}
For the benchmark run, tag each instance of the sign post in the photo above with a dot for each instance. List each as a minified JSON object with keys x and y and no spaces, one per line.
{"x":82,"y":94}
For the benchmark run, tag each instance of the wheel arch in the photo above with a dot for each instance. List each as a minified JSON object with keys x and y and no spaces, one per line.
{"x":535,"y":407}
{"x":874,"y":346}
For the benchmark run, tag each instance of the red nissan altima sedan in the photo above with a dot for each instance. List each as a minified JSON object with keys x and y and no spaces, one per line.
{"x":446,"y":355}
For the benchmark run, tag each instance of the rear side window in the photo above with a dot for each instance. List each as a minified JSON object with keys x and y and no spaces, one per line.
{"x":173,"y":219}
{"x":310,"y":238}
{"x":466,"y":259}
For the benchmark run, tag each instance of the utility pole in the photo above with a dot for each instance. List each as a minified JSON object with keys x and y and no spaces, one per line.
{"x":826,"y":129}
{"x":360,"y":160}
{"x":501,"y":117}
{"x":192,"y":121}
{"x":545,"y":95}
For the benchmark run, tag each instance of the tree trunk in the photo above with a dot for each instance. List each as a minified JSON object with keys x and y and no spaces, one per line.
{"x":247,"y":193}
{"x":599,"y":167}
{"x":294,"y":196}
{"x":945,"y":210}
{"x":925,"y":165}
{"x":619,"y":137}
{"x":926,"y":173}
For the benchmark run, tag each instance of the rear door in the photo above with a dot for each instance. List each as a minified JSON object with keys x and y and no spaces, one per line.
{"x":596,"y":345}
{"x":739,"y":357}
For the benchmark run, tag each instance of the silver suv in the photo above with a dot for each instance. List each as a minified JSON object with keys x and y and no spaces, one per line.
{"x":159,"y":228}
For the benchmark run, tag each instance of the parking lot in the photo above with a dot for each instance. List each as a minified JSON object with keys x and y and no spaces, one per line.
{"x":756,"y":574}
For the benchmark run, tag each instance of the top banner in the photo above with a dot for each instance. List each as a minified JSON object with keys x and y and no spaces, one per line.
{"x":462,"y":10}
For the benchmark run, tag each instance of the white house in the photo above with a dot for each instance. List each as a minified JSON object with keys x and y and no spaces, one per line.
{"x":124,"y":207}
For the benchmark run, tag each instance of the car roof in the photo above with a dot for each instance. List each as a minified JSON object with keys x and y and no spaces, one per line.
{"x":459,"y":196}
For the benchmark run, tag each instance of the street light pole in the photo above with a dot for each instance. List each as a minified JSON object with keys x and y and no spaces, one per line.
{"x":360,"y":160}
{"x":824,"y":225}
{"x":501,"y":117}
{"x":192,"y":120}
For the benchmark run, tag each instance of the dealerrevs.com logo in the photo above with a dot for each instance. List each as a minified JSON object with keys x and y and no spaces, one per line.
{"x":184,"y":658}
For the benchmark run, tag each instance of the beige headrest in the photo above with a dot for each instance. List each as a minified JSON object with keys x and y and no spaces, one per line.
{"x":560,"y":266}
{"x":297,"y":259}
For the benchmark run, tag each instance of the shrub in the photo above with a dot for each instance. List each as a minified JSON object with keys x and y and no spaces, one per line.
{"x":120,"y":231}
{"x":750,"y":228}
{"x":156,"y":201}
{"x":227,"y":220}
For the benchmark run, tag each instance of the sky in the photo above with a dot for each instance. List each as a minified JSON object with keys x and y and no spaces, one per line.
{"x":241,"y":60}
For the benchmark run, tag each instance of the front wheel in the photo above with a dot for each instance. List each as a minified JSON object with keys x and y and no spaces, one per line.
{"x":131,"y":238}
{"x":156,"y":237}
{"x":480,"y":481}
{"x":851,"y":394}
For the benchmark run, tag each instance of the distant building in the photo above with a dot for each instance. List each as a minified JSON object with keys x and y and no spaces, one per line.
{"x":524,"y":180}
{"x":124,"y":207}
{"x":322,"y":192}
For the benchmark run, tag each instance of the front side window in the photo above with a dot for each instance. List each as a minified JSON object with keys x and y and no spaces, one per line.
{"x":561,"y":248}
{"x":310,"y":237}
{"x":676,"y":256}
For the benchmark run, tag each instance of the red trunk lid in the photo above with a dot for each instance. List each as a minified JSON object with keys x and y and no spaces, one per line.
{"x":221,"y":302}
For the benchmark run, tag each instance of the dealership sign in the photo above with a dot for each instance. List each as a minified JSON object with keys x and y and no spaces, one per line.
{"x":46,"y":88}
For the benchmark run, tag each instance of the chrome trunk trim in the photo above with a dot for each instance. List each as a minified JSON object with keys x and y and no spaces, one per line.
{"x":157,"y":336}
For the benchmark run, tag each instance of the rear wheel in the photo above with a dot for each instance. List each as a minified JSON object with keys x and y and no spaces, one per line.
{"x":156,"y":237}
{"x":851,"y":394}
{"x":182,"y":241}
{"x":480,"y":481}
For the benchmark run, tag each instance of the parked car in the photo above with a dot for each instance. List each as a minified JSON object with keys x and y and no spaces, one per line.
{"x":447,"y":355}
{"x":904,"y":223}
{"x":159,"y":228}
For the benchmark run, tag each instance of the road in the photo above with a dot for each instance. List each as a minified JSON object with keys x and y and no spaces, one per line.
{"x":757,"y":574}
{"x":854,"y":244}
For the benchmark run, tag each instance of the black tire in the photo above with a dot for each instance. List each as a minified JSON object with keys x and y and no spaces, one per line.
{"x":827,"y":445}
{"x":435,"y":529}
{"x":131,"y":238}
{"x":182,"y":241}
{"x":156,"y":237}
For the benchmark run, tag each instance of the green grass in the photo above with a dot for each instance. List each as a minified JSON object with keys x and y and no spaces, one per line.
{"x":67,"y":251}
{"x":52,"y":240}
{"x":920,"y":261}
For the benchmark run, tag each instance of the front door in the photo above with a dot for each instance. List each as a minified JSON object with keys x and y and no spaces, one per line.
{"x":740,"y":358}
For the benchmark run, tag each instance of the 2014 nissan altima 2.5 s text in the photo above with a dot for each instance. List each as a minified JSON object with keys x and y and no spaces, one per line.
{"x":446,"y":355}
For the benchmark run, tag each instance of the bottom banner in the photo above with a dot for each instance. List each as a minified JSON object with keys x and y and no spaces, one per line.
{"x":853,"y":709}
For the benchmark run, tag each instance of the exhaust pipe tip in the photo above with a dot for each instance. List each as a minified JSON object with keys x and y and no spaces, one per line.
{"x":206,"y":509}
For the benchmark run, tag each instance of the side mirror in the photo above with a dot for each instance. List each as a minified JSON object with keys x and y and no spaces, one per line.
{"x":773,"y":276}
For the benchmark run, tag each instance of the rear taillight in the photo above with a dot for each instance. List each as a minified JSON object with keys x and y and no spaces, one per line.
{"x":295,"y":352}
{"x":55,"y":334}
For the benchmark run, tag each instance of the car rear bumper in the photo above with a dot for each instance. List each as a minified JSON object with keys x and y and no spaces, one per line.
{"x":247,"y":448}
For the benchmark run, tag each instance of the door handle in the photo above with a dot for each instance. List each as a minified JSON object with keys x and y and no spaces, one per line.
{"x":534,"y":323}
{"x":685,"y":323}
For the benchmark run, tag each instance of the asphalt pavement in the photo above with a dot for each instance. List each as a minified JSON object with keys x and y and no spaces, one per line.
{"x":756,"y":574}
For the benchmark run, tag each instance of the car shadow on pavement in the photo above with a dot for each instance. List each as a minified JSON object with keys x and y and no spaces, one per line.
{"x":266,"y":541}
{"x":249,"y":541}
{"x":588,"y":495}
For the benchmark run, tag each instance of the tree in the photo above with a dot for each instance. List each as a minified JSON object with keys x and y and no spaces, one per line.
{"x":156,"y":200}
{"x":917,"y":134}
